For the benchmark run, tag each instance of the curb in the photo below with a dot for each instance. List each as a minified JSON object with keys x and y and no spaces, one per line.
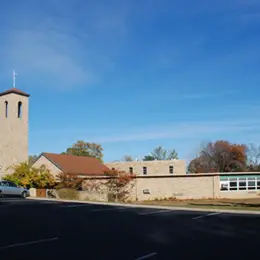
{"x":151,"y":206}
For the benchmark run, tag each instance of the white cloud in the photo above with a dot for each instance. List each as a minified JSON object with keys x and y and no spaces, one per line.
{"x":65,"y":47}
{"x":181,"y":95}
{"x":192,"y":130}
{"x":201,"y":95}
{"x":47,"y":54}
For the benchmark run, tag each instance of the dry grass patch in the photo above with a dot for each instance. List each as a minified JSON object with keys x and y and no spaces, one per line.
{"x":239,"y":204}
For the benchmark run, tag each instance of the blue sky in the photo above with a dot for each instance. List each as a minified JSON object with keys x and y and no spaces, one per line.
{"x":132,"y":75}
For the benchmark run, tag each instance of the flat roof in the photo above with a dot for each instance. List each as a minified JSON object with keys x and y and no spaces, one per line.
{"x":190,"y":175}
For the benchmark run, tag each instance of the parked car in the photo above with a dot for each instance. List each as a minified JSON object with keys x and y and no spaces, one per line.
{"x":8,"y":188}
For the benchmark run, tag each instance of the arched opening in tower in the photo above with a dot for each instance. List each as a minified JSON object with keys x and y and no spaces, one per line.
{"x":6,"y":109}
{"x":20,"y":109}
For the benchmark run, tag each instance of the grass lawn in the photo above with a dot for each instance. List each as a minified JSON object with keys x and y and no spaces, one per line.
{"x":239,"y":204}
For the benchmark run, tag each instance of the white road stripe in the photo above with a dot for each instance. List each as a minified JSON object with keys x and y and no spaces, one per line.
{"x":146,"y":256}
{"x":94,"y":210}
{"x":29,"y":243}
{"x":106,"y":209}
{"x":74,"y":206}
{"x":208,"y":215}
{"x":46,"y":202}
{"x":155,"y":212}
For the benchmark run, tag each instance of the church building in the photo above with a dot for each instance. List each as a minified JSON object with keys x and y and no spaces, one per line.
{"x":13,"y":128}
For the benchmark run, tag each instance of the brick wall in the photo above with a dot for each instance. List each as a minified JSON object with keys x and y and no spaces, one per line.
{"x":152,"y":167}
{"x":181,"y":187}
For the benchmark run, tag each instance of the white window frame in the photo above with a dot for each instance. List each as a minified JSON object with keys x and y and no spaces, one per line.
{"x":171,"y":169}
{"x":248,"y":179}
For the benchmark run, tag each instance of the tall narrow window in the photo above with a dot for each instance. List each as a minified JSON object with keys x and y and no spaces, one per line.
{"x":171,"y":169}
{"x":6,"y":109}
{"x":19,"y":109}
{"x":144,"y":170}
{"x":131,"y":170}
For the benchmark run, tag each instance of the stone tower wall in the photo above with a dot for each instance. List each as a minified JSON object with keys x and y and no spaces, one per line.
{"x":13,"y":131}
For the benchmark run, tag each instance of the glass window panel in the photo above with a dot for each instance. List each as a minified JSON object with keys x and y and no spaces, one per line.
{"x":251,"y":178}
{"x":11,"y":184}
{"x":233,"y":179}
{"x":233,"y":184}
{"x":251,"y":183}
{"x":223,"y":186}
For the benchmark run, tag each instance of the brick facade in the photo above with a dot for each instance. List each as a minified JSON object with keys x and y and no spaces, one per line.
{"x":171,"y":167}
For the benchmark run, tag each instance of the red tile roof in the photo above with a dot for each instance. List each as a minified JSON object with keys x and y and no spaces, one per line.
{"x":80,"y":165}
{"x":15,"y":91}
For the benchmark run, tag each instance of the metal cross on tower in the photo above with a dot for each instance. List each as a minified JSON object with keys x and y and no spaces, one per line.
{"x":14,"y":75}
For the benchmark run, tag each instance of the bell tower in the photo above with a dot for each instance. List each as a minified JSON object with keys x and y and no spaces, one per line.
{"x":14,"y":106}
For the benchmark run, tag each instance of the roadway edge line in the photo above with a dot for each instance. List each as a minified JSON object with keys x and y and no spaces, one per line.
{"x":29,"y":243}
{"x":148,"y":206}
{"x":146,"y":256}
{"x":155,"y":212}
{"x":207,"y":215}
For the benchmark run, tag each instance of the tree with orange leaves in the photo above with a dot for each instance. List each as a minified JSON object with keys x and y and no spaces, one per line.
{"x":221,"y":156}
{"x":118,"y":184}
{"x":69,"y":181}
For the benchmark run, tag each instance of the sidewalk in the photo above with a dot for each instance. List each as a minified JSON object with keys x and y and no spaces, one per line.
{"x":151,"y":206}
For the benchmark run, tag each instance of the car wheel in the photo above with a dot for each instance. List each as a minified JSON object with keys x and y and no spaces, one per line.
{"x":24,"y":194}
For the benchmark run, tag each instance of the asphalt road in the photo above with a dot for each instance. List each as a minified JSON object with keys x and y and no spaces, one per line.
{"x":33,"y":229}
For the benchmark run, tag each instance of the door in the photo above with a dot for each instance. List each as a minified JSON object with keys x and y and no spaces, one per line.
{"x":5,"y":188}
{"x":2,"y":188}
{"x":13,"y":189}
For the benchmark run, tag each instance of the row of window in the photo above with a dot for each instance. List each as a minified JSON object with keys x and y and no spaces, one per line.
{"x":145,"y":171}
{"x":19,"y":109}
{"x":240,"y":183}
{"x":7,"y":184}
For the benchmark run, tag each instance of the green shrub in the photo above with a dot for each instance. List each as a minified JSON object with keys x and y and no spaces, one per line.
{"x":111,"y":197}
{"x":30,"y":177}
{"x":69,"y":194}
